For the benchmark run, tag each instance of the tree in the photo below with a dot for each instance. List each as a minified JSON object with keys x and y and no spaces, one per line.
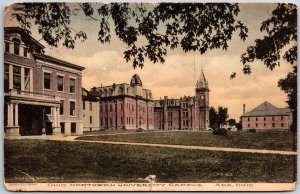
{"x":217,"y":117}
{"x":222,"y":115}
{"x":231,"y":122}
{"x":191,"y":26}
{"x":213,"y":118}
{"x":281,"y":30}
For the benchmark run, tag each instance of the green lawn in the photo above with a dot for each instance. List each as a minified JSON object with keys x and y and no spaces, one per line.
{"x":262,"y":140}
{"x":58,"y":161}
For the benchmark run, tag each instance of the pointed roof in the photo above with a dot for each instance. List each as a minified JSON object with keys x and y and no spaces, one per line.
{"x":202,"y":82}
{"x":267,"y":109}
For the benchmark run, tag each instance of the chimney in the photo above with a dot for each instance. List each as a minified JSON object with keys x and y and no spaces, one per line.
{"x":244,"y":109}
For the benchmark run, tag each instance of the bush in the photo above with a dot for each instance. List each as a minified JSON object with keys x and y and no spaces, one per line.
{"x":140,"y":130}
{"x":220,"y":131}
{"x":252,"y":130}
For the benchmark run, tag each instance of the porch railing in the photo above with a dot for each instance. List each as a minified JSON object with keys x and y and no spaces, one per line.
{"x":28,"y":93}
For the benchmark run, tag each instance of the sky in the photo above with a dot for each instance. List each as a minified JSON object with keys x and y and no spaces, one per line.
{"x":176,"y":77}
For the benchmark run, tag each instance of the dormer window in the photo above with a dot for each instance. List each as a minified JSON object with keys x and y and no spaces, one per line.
{"x":17,"y":44}
{"x":25,"y":52}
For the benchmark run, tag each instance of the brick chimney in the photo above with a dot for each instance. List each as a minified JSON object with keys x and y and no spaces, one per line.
{"x":244,"y":109}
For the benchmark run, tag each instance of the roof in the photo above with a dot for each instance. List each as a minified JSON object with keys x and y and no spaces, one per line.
{"x":88,"y":96}
{"x":267,"y":109}
{"x":58,"y":61}
{"x":25,"y":34}
{"x":136,"y":80}
{"x":202,"y":82}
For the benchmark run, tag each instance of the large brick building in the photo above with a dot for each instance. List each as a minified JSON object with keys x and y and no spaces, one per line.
{"x":125,"y":106}
{"x":267,"y":117}
{"x":190,"y":113}
{"x":42,"y":94}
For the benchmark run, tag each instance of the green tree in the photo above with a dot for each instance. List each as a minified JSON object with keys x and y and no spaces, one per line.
{"x":281,"y":39}
{"x":213,"y":118}
{"x":231,"y":122}
{"x":191,"y":26}
{"x":222,"y":115}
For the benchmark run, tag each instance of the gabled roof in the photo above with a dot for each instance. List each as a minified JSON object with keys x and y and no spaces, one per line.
{"x":57,"y":61}
{"x":267,"y":109}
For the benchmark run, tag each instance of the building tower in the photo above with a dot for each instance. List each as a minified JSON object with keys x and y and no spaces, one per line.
{"x":202,"y":98}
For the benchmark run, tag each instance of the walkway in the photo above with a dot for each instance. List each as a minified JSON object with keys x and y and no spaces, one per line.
{"x":224,"y":149}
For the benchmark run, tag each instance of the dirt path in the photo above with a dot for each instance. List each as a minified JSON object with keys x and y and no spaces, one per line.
{"x":72,"y":139}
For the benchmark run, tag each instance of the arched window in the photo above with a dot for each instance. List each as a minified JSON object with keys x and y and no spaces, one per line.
{"x":120,"y":91}
{"x":110,"y":92}
{"x":17,"y":44}
{"x":104,"y":93}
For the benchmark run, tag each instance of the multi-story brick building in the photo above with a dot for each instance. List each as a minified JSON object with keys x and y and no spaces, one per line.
{"x":185,"y":113}
{"x":125,"y":106}
{"x":42,"y":94}
{"x":90,"y":109}
{"x":267,"y":117}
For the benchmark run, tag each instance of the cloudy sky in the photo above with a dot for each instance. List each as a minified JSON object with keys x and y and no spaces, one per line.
{"x":176,"y":77}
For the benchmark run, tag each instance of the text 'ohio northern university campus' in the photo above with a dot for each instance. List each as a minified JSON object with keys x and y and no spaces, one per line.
{"x":44,"y":96}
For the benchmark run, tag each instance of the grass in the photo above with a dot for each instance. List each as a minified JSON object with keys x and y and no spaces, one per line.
{"x":263,"y":140}
{"x":58,"y":161}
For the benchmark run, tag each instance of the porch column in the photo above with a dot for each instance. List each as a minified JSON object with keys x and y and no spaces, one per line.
{"x":54,"y":116}
{"x":58,"y":117}
{"x":9,"y":115}
{"x":22,"y":79}
{"x":16,"y":115}
{"x":56,"y":127}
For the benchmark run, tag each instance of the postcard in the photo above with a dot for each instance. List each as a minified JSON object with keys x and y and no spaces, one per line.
{"x":150,"y":96}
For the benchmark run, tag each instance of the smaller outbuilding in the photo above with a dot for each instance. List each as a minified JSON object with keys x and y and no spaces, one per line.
{"x":267,"y":117}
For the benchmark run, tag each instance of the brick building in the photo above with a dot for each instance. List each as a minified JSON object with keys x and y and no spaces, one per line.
{"x":190,"y":113}
{"x":90,"y":109}
{"x":42,"y":94}
{"x":267,"y":117}
{"x":125,"y":106}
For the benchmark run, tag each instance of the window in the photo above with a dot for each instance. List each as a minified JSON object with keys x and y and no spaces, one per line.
{"x":73,"y":127}
{"x":121,"y":106}
{"x":47,"y":81}
{"x":169,"y":124}
{"x":110,"y":108}
{"x":83,"y":106}
{"x":7,"y":47}
{"x":264,"y":124}
{"x":61,"y":107}
{"x":122,"y":121}
{"x":273,"y":124}
{"x":170,"y":114}
{"x":6,"y":77}
{"x":27,"y":79}
{"x":273,"y":118}
{"x":72,"y":108}
{"x":282,"y":125}
{"x":91,"y":119}
{"x":17,"y":77}
{"x":248,"y":125}
{"x":17,"y":43}
{"x":91,"y":106}
{"x":256,"y":125}
{"x":248,"y":118}
{"x":60,"y":83}
{"x":25,"y":52}
{"x":264,"y":118}
{"x":72,"y":85}
{"x":281,"y":117}
{"x":256,"y":119}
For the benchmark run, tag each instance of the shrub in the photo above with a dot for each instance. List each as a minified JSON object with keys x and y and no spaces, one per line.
{"x":220,"y":131}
